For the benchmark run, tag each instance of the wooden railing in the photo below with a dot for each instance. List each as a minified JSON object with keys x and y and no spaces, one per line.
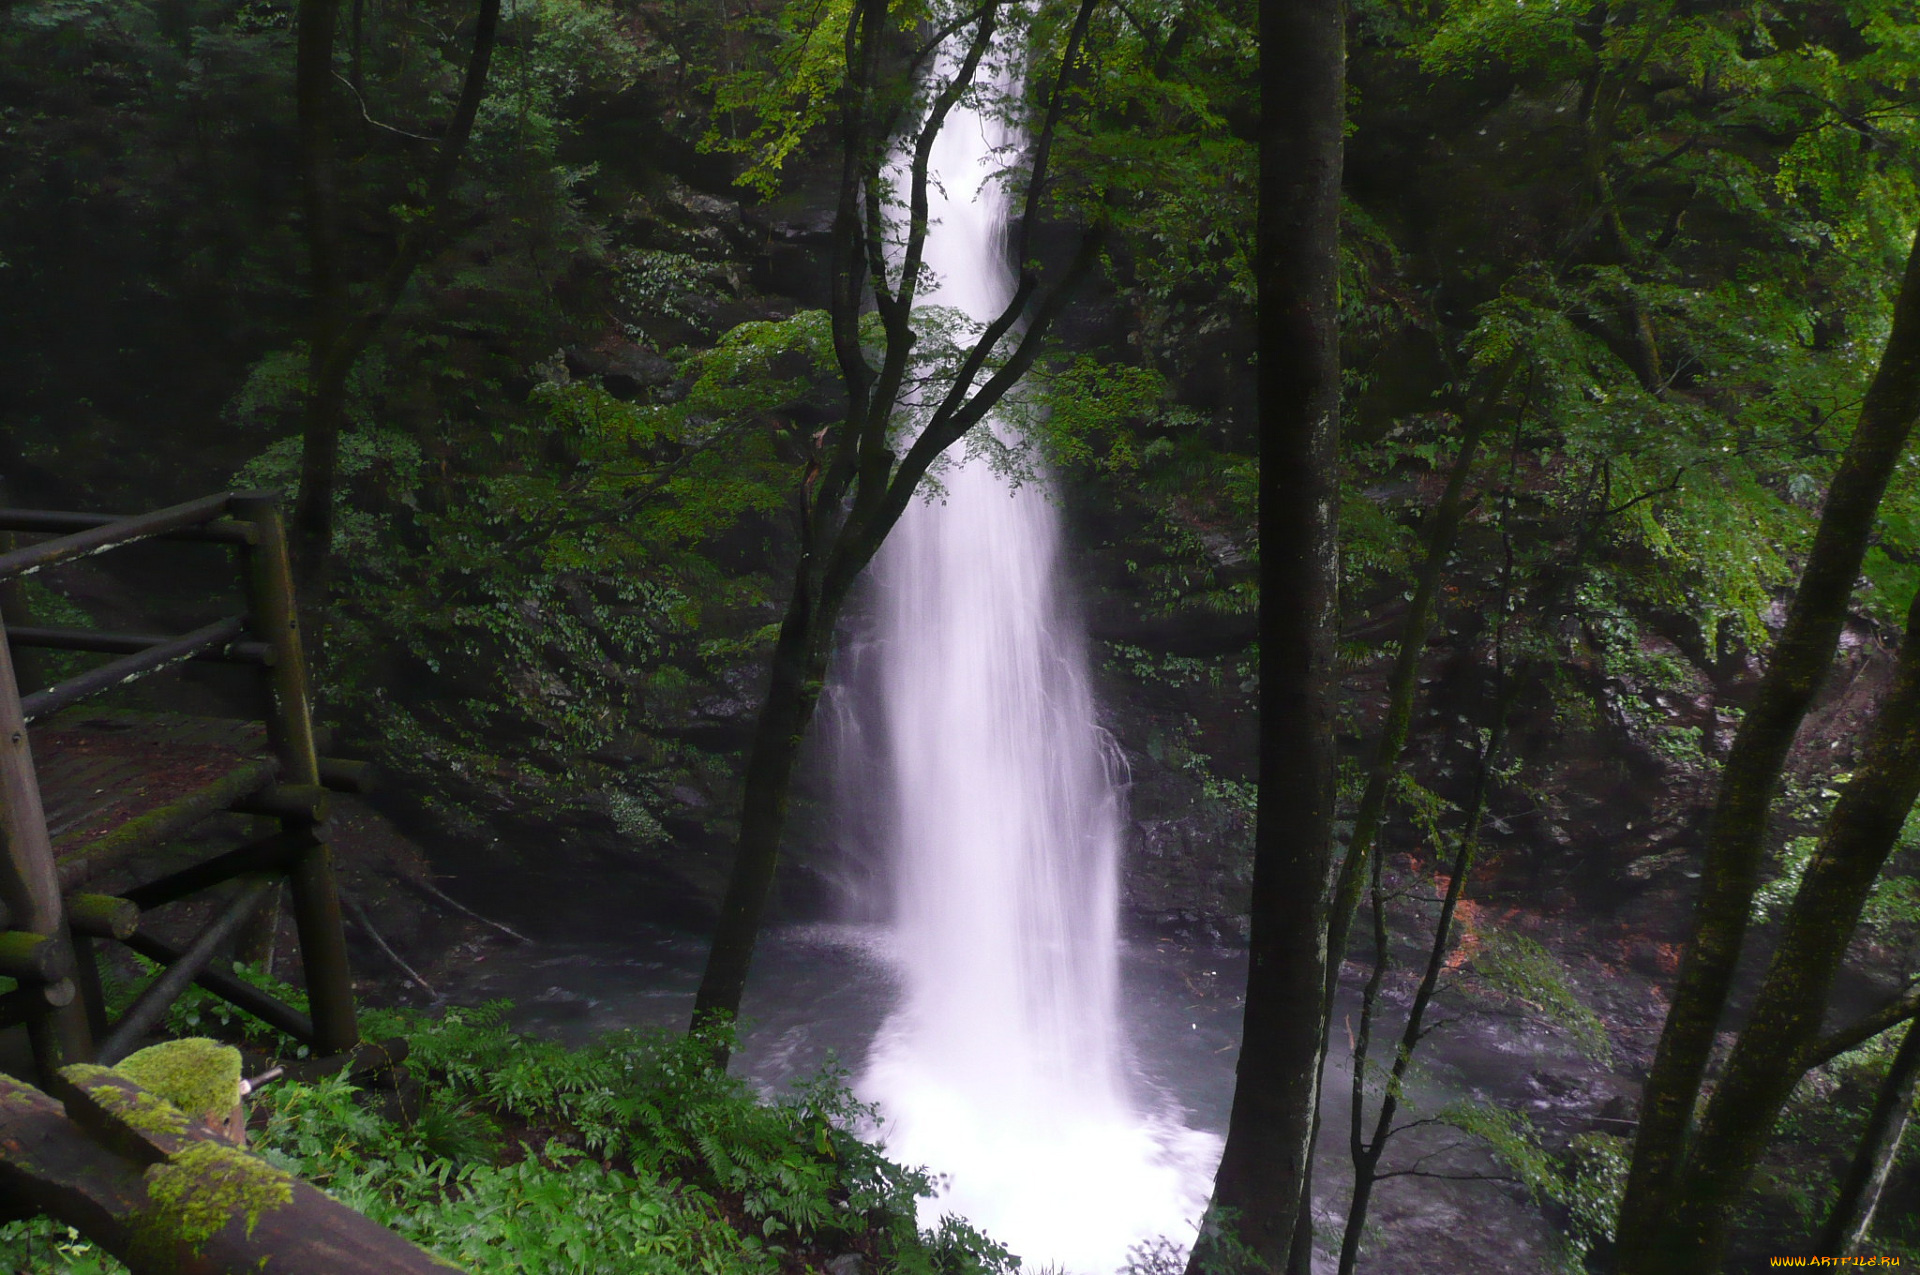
{"x":47,"y":943}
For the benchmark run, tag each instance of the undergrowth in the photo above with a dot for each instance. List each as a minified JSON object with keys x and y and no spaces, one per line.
{"x":628,"y":1157}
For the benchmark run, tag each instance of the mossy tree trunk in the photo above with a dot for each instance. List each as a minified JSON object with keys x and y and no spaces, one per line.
{"x":1684,"y":1176}
{"x":1777,"y":1042}
{"x":1262,"y":1189}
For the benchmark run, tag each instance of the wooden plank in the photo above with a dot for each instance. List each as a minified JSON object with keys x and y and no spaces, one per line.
{"x":100,"y":770}
{"x":47,"y":1160}
{"x":79,"y":859}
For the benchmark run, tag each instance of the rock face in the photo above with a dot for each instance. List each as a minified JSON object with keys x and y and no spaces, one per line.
{"x":1611,"y":762}
{"x":624,"y":367}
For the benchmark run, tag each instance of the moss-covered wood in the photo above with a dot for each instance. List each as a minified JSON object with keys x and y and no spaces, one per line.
{"x":267,"y":574}
{"x":168,"y":1196}
{"x":30,"y":888}
{"x":102,"y":916}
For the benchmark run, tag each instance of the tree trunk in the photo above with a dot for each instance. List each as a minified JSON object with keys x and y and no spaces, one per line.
{"x":1657,"y":1190}
{"x":1770,"y":1056}
{"x":338,"y":339}
{"x":1262,"y":1180}
{"x":1404,"y":683}
{"x":799,"y":664}
{"x":1852,"y":1220}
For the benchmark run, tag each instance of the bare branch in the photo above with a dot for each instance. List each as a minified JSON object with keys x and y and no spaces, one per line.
{"x":418,"y":137}
{"x":1890,"y":1015}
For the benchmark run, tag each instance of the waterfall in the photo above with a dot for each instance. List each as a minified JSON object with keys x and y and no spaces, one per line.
{"x":1003,"y":1066}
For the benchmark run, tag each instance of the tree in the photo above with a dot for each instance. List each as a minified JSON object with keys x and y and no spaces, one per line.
{"x":1263,"y":1179}
{"x":1852,"y":1217}
{"x":341,"y":329}
{"x":863,"y":474}
{"x":1687,"y":1169}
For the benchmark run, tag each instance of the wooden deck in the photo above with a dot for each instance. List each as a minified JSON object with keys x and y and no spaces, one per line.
{"x":116,"y":783}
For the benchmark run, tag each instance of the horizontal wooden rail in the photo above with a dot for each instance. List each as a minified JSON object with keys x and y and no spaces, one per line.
{"x":32,"y":957}
{"x":102,"y":916}
{"x":307,"y":803}
{"x":151,"y":660}
{"x":268,"y":854}
{"x":59,"y":522}
{"x":130,"y":644}
{"x":112,"y":535}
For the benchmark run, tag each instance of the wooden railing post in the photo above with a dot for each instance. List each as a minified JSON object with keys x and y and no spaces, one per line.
{"x":27,"y":673}
{"x":274,"y":619}
{"x":30,"y":884}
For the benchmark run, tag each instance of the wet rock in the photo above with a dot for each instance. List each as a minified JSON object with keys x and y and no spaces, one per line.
{"x":626,"y":369}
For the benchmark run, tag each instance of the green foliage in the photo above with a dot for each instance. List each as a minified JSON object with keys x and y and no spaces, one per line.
{"x":1518,"y":969}
{"x":787,"y":94}
{"x":1587,"y":1180}
{"x":570,"y":585}
{"x":198,"y":1012}
{"x":1771,"y":900}
{"x":1595,"y":1183}
{"x":640,"y":1117}
{"x":42,"y":1246}
{"x":631,"y":1156}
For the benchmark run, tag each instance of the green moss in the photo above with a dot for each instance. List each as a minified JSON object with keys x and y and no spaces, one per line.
{"x":198,"y":1191}
{"x":197,"y":1075}
{"x":145,"y":1112}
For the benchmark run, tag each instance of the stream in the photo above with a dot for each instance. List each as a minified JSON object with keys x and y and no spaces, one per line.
{"x":821,"y":992}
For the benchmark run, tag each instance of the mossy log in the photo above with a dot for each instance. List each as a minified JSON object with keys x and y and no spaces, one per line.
{"x":27,"y":956}
{"x":102,"y":916}
{"x":166,"y":1195}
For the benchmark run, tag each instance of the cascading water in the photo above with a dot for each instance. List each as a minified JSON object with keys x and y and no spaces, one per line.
{"x":1002,"y":1067}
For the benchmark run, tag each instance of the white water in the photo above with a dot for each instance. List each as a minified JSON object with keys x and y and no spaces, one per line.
{"x":1003,"y":1068}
